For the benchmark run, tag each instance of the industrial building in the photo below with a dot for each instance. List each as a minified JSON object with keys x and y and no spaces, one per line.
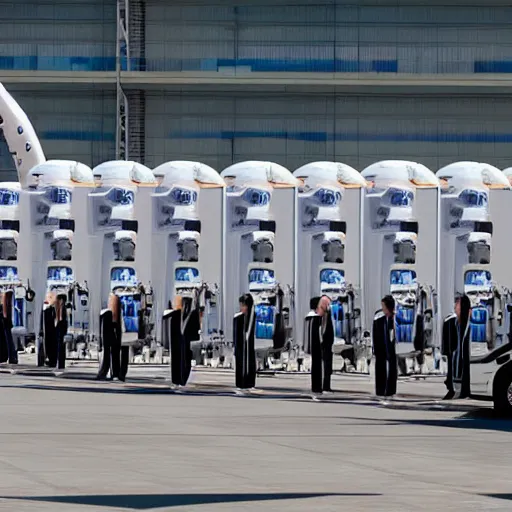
{"x":291,"y":81}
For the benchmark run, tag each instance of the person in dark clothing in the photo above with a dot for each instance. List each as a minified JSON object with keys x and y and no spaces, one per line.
{"x":48,"y":331}
{"x":182,"y":326}
{"x":456,"y":348}
{"x":115,"y":356}
{"x":245,"y":356}
{"x":61,"y":329}
{"x":8,"y":352}
{"x":319,"y":339}
{"x":386,"y":371}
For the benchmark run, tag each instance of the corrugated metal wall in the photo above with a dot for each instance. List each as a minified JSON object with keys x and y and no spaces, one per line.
{"x":426,"y":39}
{"x":47,"y":29}
{"x":74,"y":126}
{"x":293,"y":130}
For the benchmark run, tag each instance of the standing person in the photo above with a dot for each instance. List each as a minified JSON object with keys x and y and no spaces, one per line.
{"x":183,"y":325}
{"x":8,"y":351}
{"x":61,"y":329}
{"x":386,"y":371}
{"x":456,"y":348}
{"x":111,"y":332}
{"x":48,"y":330}
{"x":245,"y":355}
{"x":319,"y":337}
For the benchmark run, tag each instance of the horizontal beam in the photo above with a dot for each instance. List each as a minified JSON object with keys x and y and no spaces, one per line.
{"x":304,"y":83}
{"x":58,"y":77}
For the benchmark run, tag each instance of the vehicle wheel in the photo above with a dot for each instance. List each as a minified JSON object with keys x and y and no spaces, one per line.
{"x":503,"y":395}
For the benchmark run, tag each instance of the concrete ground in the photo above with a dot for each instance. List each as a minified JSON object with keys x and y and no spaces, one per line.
{"x":72,"y":444}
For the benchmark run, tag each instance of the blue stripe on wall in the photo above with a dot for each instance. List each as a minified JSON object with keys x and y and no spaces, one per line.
{"x":85,"y":136}
{"x":349,"y":137}
{"x":92,"y":136}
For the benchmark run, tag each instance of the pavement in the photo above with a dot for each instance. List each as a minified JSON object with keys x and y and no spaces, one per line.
{"x":71,"y":444}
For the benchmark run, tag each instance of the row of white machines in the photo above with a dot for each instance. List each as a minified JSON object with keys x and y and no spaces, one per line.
{"x":183,"y":230}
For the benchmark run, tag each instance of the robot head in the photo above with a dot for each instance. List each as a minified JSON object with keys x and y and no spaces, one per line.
{"x":320,"y":202}
{"x":392,"y":186}
{"x":262,"y":246}
{"x":464,"y":187}
{"x":113,"y":203}
{"x":249,"y":189}
{"x":177,"y":203}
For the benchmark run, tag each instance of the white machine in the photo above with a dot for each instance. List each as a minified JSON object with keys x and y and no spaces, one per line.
{"x":53,"y":240}
{"x":11,"y":275}
{"x":187,"y":248}
{"x":401,"y":254}
{"x":124,"y":188}
{"x":20,"y":136}
{"x":260,"y":251}
{"x":330,"y":253}
{"x":476,"y":200}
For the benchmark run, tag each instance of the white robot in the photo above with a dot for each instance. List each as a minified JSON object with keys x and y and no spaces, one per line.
{"x":11,"y":275}
{"x":476,"y":214}
{"x":329,"y":252}
{"x":401,"y":254}
{"x":187,"y":247}
{"x":53,"y":240}
{"x":124,"y":189}
{"x":260,"y":252}
{"x":20,"y":136}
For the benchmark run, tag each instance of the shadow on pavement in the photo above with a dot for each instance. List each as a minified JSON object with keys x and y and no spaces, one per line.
{"x":151,"y":501}
{"x":478,"y":419}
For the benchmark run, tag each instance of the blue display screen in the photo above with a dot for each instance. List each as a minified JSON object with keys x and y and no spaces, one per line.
{"x":338,"y":317}
{"x":130,"y":311}
{"x":60,"y":274}
{"x":184,"y":196}
{"x":58,"y":195}
{"x":261,"y":278}
{"x":8,"y":274}
{"x":9,"y":197}
{"x":264,"y":318}
{"x":328,"y":197}
{"x":399,"y":197}
{"x":478,"y":278}
{"x":331,"y":279}
{"x":121,"y":196}
{"x":403,"y":278}
{"x":257,"y":197}
{"x":474,"y":198}
{"x":123,"y":277}
{"x":186,"y":275}
{"x":18,"y":313}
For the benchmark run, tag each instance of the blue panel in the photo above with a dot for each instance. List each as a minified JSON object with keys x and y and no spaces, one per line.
{"x":493,"y":66}
{"x":34,"y":63}
{"x":404,"y":324}
{"x":72,"y":135}
{"x":352,"y":137}
{"x":478,"y":325}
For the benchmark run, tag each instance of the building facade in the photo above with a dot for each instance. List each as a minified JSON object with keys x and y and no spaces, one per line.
{"x":286,"y":80}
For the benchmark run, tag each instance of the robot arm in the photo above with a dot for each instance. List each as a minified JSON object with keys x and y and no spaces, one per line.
{"x":20,"y":136}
